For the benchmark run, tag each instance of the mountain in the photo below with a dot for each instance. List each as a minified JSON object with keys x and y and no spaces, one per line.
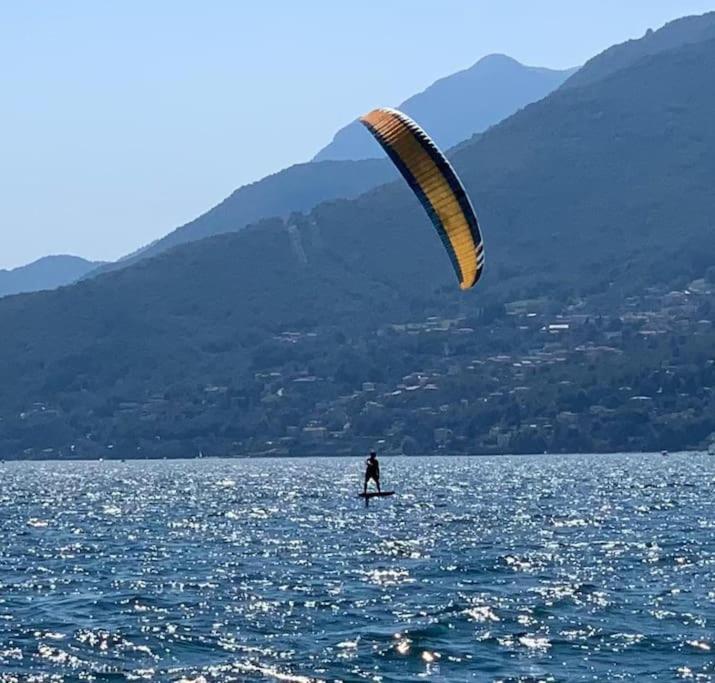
{"x":456,"y":107}
{"x":693,"y":29}
{"x":596,"y":205}
{"x":45,"y":273}
{"x":453,"y":108}
{"x":297,"y":188}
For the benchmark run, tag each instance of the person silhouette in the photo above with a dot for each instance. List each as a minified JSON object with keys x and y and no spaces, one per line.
{"x":372,"y":471}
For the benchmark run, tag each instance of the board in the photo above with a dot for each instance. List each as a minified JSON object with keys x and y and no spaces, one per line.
{"x":375,"y":494}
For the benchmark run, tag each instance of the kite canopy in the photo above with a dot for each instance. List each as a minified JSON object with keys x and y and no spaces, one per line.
{"x":436,"y":185}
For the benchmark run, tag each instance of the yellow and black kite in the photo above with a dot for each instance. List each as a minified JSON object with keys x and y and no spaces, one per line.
{"x":433,"y":180}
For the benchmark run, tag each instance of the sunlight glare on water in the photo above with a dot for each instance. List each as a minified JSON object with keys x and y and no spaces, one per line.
{"x":510,"y":569}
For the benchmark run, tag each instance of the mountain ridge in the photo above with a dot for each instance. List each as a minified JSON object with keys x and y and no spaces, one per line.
{"x":47,"y":272}
{"x":302,"y":186}
{"x":510,"y":86}
{"x":673,"y":34}
{"x":294,"y":189}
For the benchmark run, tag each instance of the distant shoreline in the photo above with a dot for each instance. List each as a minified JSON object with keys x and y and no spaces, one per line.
{"x":243,"y":458}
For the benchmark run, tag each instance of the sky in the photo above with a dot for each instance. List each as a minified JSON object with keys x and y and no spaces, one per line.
{"x":120,"y":121}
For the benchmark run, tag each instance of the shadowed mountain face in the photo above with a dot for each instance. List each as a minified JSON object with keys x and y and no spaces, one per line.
{"x":298,"y":188}
{"x":597,"y":191}
{"x":458,"y":106}
{"x":674,"y":34}
{"x":45,"y":273}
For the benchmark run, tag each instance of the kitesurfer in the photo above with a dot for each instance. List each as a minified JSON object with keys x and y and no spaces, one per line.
{"x":372,"y":471}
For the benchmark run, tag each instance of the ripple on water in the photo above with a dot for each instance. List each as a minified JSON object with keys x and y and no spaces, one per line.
{"x":511,"y":569}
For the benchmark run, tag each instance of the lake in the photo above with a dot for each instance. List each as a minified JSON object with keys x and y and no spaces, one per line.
{"x":537,"y":568}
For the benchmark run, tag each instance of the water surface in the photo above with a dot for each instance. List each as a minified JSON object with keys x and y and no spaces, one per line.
{"x":558,"y":568}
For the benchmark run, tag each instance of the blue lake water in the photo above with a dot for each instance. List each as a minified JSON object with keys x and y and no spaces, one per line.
{"x":548,"y":568}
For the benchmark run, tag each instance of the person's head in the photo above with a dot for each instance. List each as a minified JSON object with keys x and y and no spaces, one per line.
{"x":373,"y":455}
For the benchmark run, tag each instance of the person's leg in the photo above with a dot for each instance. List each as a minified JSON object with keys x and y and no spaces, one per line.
{"x":377,"y":482}
{"x":364,"y":489}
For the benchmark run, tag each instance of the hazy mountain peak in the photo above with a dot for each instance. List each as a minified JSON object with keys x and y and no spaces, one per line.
{"x":476,"y":98}
{"x":47,"y":272}
{"x":496,"y":58}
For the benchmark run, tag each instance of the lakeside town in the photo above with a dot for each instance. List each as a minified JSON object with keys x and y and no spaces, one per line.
{"x":523,"y":377}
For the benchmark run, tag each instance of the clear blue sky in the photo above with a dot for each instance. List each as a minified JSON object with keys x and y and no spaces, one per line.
{"x":122,"y":120}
